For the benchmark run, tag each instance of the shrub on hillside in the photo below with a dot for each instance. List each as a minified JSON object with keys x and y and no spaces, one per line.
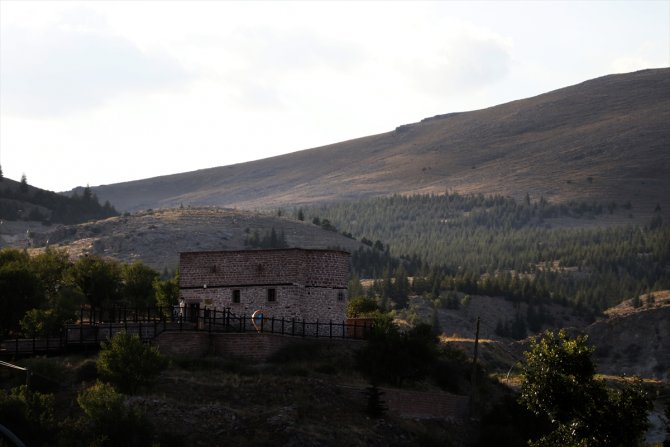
{"x":109,"y":421}
{"x":28,"y":414}
{"x":393,"y":357}
{"x":559,"y":385}
{"x":128,"y":363}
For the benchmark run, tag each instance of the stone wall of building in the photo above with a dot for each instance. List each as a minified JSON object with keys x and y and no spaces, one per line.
{"x":324,"y":268}
{"x":307,"y":284}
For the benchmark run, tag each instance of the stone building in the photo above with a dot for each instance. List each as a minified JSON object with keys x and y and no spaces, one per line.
{"x":282,"y":283}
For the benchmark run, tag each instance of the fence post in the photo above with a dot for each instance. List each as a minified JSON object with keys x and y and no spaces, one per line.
{"x":139,"y":328}
{"x":272,"y":325}
{"x":81,"y":325}
{"x":125,"y":318}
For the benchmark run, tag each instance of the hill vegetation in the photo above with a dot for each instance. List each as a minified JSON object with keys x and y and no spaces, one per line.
{"x":570,"y":144}
{"x":20,"y":201}
{"x":493,"y":245}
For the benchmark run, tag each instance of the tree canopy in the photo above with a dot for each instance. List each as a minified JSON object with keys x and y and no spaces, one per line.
{"x":559,"y":384}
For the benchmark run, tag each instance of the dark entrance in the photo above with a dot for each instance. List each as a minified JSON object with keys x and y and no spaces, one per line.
{"x":193,"y":312}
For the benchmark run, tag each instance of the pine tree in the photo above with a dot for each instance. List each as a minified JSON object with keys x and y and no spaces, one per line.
{"x":23,"y":186}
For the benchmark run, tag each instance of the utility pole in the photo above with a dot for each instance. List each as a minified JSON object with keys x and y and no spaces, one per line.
{"x":473,"y":377}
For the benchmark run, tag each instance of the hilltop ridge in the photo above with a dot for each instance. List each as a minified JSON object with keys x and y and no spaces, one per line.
{"x":603,"y":139}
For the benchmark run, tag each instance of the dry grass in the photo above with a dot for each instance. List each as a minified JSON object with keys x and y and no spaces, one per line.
{"x":573,"y":143}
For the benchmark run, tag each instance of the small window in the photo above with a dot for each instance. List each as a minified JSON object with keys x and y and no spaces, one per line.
{"x":236,"y":296}
{"x":212,"y":269}
{"x":340,"y":296}
{"x":272,"y":294}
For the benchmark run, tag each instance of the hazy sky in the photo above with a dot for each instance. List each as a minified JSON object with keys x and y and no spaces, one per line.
{"x":104,"y":92}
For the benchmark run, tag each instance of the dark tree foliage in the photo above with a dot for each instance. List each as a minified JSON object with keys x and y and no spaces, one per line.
{"x":360,"y":306}
{"x":99,"y":279}
{"x":393,"y":357}
{"x":19,"y":289}
{"x":138,"y":285}
{"x":23,"y":186}
{"x":495,"y":246}
{"x":50,"y":207}
{"x":270,"y":239}
{"x":30,"y":415}
{"x":128,"y":363}
{"x":559,"y":384}
{"x":109,"y":421}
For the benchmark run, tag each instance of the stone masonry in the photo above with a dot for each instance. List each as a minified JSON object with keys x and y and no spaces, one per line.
{"x":282,"y":283}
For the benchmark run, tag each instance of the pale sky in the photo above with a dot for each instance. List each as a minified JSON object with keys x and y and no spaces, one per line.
{"x":104,"y":92}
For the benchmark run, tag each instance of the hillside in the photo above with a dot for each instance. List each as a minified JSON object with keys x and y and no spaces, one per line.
{"x":628,"y":340}
{"x":604,"y":139}
{"x":157,"y":237}
{"x":20,"y":201}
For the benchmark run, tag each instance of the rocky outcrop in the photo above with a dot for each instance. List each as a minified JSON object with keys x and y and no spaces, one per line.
{"x":635,"y":343}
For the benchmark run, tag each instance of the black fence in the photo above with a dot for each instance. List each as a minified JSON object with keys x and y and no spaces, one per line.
{"x":97,"y":325}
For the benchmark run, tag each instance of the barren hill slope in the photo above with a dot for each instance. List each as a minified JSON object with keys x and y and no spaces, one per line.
{"x":157,"y":237}
{"x":604,"y":139}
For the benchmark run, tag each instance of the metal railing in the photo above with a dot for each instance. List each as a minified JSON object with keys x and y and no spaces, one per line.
{"x":97,"y":325}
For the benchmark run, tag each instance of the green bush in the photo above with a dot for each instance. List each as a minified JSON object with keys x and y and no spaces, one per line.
{"x":28,"y":414}
{"x":559,"y":384}
{"x":109,"y":421}
{"x":128,"y":363}
{"x":393,"y":357}
{"x":361,"y":306}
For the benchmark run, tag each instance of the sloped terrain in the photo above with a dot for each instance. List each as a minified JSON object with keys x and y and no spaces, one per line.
{"x":157,"y":237}
{"x":628,"y":340}
{"x":604,"y":139}
{"x":635,"y":341}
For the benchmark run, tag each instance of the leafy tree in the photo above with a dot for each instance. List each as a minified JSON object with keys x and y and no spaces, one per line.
{"x":53,"y":269}
{"x":128,"y":363}
{"x":360,"y":306}
{"x":110,"y":421}
{"x":138,"y":284}
{"x":39,"y":322}
{"x":167,"y":292}
{"x":19,"y":289}
{"x":355,"y":287}
{"x":28,"y":414}
{"x":394,"y":357}
{"x":559,"y":384}
{"x":99,"y":279}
